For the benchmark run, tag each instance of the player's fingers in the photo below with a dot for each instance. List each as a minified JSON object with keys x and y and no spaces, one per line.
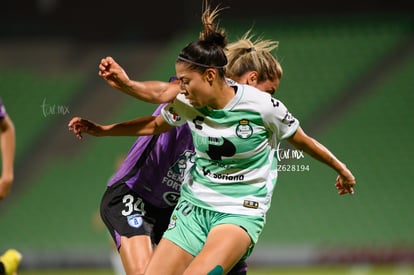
{"x":79,"y":135}
{"x":103,"y":73}
{"x":346,"y":190}
{"x":105,"y":63}
{"x":338,"y":179}
{"x":342,"y":191}
{"x":101,"y":67}
{"x":75,"y":129}
{"x":109,"y":59}
{"x":74,"y":120}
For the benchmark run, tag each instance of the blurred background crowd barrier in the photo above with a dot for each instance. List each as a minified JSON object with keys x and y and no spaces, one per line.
{"x":348,"y":77}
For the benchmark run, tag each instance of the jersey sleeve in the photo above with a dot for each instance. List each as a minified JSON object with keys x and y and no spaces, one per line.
{"x":170,"y":113}
{"x":282,"y":123}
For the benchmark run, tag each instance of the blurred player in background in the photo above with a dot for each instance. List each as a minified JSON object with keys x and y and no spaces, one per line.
{"x":8,"y":141}
{"x":10,"y":259}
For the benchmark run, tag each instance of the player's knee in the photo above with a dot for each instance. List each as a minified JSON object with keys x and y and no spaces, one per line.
{"x":136,"y":269}
{"x":135,"y":272}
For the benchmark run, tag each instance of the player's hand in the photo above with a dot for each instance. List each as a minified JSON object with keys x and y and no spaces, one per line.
{"x":345,"y":184}
{"x":113,"y":73}
{"x":5,"y":187}
{"x":79,"y":126}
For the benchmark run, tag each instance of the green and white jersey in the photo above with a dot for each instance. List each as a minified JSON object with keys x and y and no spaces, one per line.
{"x":235,"y":167}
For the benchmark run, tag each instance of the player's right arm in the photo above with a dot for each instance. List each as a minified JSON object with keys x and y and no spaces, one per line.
{"x":148,"y":91}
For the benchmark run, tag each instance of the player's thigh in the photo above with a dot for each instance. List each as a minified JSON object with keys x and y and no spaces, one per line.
{"x":168,"y":259}
{"x":226,"y":244}
{"x":135,"y":253}
{"x":122,"y":217}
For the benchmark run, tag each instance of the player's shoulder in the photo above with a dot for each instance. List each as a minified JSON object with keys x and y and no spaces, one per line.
{"x":255,"y":96}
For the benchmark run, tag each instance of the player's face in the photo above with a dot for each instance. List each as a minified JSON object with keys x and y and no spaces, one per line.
{"x":268,"y":86}
{"x":250,"y":78}
{"x":195,"y":87}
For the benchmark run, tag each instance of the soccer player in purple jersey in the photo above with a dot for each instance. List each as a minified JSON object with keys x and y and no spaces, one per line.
{"x":149,"y":180}
{"x":246,"y":68}
{"x":142,"y":193}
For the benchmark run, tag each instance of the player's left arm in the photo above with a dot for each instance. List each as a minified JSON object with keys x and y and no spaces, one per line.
{"x":142,"y":126}
{"x":345,"y":181}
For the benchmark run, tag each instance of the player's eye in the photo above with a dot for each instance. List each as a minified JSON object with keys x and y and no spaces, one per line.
{"x":184,"y":82}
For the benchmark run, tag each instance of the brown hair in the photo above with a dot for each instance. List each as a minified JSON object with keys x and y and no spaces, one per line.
{"x":208,"y":50}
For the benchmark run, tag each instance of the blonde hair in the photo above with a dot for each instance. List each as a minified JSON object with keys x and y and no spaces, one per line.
{"x":247,"y":55}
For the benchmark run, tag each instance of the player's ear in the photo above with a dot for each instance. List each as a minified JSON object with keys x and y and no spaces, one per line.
{"x":210,"y":75}
{"x":252,"y":78}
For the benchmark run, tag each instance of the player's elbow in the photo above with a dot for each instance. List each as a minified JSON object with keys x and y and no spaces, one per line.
{"x":161,"y":127}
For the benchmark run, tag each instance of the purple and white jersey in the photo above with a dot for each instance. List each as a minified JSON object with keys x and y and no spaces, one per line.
{"x":155,"y":165}
{"x":3,"y":112}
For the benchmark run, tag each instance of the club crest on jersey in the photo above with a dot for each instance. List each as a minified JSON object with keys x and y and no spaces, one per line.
{"x":135,"y":220}
{"x":174,"y":114}
{"x":244,"y":130}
